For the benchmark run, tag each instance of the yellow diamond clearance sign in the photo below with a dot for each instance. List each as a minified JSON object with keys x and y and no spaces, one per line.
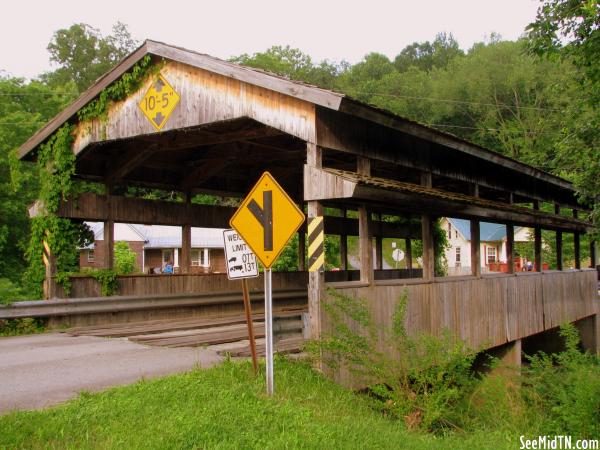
{"x":159,"y":102}
{"x":267,"y":219}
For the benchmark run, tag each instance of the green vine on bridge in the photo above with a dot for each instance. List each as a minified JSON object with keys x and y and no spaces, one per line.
{"x":56,"y":164}
{"x":129,"y":83}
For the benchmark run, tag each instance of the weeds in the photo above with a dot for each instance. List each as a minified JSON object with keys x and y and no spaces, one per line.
{"x":428,"y":382}
{"x":419,"y":379}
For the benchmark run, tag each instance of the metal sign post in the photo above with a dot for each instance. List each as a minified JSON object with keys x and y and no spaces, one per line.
{"x":269,"y":330}
{"x":266,"y":220}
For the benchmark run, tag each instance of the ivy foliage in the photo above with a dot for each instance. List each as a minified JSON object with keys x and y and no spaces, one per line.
{"x":56,"y":167}
{"x":128,"y":84}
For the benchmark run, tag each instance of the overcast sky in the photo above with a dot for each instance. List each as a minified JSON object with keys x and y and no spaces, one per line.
{"x":333,"y":30}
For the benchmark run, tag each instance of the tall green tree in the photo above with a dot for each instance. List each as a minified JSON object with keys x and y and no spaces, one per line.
{"x":294,"y":64}
{"x":83,"y":54}
{"x":24,"y":107}
{"x":570,"y":30}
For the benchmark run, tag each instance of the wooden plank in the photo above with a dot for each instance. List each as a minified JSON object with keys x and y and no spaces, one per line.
{"x":283,"y":346}
{"x":475,"y":248}
{"x":316,"y":280}
{"x":510,"y":247}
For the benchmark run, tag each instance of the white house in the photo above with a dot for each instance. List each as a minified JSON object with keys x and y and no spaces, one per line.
{"x":492,"y":242}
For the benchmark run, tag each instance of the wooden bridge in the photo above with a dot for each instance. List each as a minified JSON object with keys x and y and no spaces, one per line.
{"x":371,"y":174}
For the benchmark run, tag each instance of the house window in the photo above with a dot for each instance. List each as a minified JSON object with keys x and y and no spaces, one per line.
{"x":449,"y":230}
{"x":457,"y":257}
{"x":90,"y":256}
{"x":491,"y":255}
{"x":200,"y":257}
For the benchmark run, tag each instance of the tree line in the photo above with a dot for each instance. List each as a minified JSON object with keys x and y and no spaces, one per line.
{"x":534,"y":100}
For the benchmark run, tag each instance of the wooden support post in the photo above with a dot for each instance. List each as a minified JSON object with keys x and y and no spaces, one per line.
{"x":365,"y":245}
{"x":428,"y":252}
{"x":316,"y":280}
{"x":185,"y":258}
{"x":475,"y":249}
{"x":427,"y":235}
{"x":109,"y":232}
{"x":559,"y":242}
{"x":379,"y":252}
{"x":593,"y":254}
{"x":109,"y":244}
{"x":50,"y":264}
{"x":510,"y":247}
{"x":537,"y":244}
{"x":408,"y":256}
{"x":343,"y":252}
{"x":363,"y":167}
{"x":344,"y":247}
{"x":301,"y":251}
{"x":577,"y":244}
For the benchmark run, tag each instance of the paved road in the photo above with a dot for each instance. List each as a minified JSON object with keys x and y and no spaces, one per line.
{"x":45,"y":369}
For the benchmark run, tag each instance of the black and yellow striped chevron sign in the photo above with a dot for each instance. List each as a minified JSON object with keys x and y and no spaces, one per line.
{"x":316,"y":249}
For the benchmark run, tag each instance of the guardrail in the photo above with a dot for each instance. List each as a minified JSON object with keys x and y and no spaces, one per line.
{"x":116,"y":304}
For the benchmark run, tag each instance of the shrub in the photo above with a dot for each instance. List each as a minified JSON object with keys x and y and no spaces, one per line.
{"x":125,"y":258}
{"x":565,"y":388}
{"x":419,"y":379}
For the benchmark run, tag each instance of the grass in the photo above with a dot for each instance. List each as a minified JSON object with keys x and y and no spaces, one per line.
{"x":225,"y":407}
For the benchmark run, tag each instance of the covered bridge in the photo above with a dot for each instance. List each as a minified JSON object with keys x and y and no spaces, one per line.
{"x":202,"y":125}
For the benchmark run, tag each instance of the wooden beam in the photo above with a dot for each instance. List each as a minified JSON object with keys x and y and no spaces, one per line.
{"x":344,"y":245}
{"x":510,"y":248}
{"x":203,"y":172}
{"x":109,"y":244}
{"x":577,"y":244}
{"x":94,"y":207}
{"x":408,"y":256}
{"x":316,"y":280}
{"x":537,"y":233}
{"x":427,"y":234}
{"x":365,"y":246}
{"x":129,"y":162}
{"x":475,"y":249}
{"x":379,"y":252}
{"x":559,"y":242}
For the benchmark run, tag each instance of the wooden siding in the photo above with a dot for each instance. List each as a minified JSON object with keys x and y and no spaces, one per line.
{"x":178,"y":284}
{"x":205,"y":97}
{"x":485,"y":312}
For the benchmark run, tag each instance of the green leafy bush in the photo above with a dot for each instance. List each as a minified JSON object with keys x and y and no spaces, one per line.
{"x":419,"y":379}
{"x":16,"y":327}
{"x":109,"y":285}
{"x":125,"y":258}
{"x":566,"y":387}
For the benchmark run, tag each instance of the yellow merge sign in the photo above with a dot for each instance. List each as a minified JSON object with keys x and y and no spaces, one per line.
{"x":159,"y":102}
{"x":267,"y":219}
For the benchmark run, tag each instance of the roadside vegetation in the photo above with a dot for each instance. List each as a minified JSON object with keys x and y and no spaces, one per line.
{"x":226,"y":407}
